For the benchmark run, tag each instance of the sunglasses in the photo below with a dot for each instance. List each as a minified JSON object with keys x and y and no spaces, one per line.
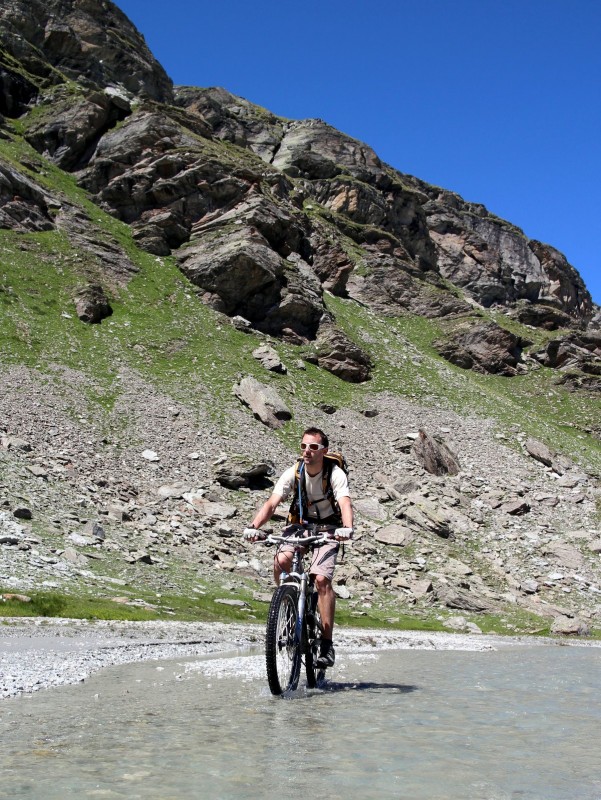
{"x":312,"y":446}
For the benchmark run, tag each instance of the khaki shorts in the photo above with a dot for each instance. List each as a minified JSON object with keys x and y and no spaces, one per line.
{"x":323,"y":560}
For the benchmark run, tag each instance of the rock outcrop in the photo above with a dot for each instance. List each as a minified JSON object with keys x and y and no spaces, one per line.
{"x":484,"y":347}
{"x":578,"y":356}
{"x":89,"y":42}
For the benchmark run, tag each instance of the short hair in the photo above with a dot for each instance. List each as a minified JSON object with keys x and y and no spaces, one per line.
{"x":317,"y":432}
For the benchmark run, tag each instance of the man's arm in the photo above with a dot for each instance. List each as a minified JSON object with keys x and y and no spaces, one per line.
{"x":346,"y":511}
{"x":267,"y":510}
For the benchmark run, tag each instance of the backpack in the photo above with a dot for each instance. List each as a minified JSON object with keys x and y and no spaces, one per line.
{"x":300,"y":502}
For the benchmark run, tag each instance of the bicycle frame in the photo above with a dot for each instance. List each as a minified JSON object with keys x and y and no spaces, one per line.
{"x":302,"y":580}
{"x":298,"y":577}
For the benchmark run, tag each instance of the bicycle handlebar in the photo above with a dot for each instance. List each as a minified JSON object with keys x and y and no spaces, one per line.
{"x":312,"y":534}
{"x":320,"y":538}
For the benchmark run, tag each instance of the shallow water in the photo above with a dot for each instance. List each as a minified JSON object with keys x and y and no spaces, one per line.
{"x":519,"y":723}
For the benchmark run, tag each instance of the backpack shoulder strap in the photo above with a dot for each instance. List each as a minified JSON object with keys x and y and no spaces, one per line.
{"x":295,"y":513}
{"x":326,"y":475}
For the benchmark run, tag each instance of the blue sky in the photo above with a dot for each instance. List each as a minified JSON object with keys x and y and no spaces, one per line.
{"x":497,"y":101}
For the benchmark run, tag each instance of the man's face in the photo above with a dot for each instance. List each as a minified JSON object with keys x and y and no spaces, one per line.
{"x":313,"y":450}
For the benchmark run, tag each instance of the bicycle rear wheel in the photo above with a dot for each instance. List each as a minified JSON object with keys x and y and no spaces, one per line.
{"x":282,"y":646}
{"x":314,"y":631}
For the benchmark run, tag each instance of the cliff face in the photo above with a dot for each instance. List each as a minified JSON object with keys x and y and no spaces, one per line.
{"x":263,"y":214}
{"x":48,"y":43}
{"x":182,"y":271}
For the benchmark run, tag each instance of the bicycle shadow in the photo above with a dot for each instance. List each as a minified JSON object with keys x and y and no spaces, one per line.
{"x":332,"y":687}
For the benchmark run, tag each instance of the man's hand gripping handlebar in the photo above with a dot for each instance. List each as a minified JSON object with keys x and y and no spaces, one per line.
{"x":295,"y":534}
{"x":254,"y":535}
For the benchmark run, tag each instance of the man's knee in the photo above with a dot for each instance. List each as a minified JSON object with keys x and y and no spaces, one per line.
{"x":322,"y":584}
{"x":282,"y":562}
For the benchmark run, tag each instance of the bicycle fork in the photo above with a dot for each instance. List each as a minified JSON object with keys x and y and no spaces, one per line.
{"x":302,"y":598}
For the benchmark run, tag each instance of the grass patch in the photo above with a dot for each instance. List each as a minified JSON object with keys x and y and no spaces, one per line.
{"x":53,"y":604}
{"x":203,"y":605}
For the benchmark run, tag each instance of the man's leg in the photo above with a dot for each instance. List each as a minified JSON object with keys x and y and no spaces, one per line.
{"x":326,"y":603}
{"x":322,"y":569}
{"x":281,"y":563}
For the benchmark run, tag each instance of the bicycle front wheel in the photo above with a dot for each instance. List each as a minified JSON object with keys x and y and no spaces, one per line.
{"x":282,"y":646}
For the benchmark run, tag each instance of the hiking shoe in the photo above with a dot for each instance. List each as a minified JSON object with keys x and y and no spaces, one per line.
{"x":327,"y":655}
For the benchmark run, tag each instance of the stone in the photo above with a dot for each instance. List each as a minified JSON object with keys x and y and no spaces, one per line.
{"x":405,"y":486}
{"x":172,"y":491}
{"x":342,"y":357}
{"x":370,"y":507}
{"x":516,"y":508}
{"x":242,"y":275}
{"x":95,"y":530}
{"x":566,"y":626}
{"x":71,"y":555}
{"x":37,"y":471}
{"x":241,"y":324}
{"x":141,"y":557}
{"x":461,"y":599}
{"x":210,"y":509}
{"x":419,"y":589}
{"x":396,"y":534}
{"x":426,"y":516}
{"x":434,"y":455}
{"x":461,"y":624}
{"x":239,"y":471}
{"x":15,"y":443}
{"x":9,"y":527}
{"x":22,"y":512}
{"x":233,"y":603}
{"x":10,"y":539}
{"x":540,"y":452}
{"x":578,"y":355}
{"x":566,"y":555}
{"x":456,"y":567}
{"x":269,"y":359}
{"x":79,"y":540}
{"x":118,"y":512}
{"x":92,"y":305}
{"x":263,"y":401}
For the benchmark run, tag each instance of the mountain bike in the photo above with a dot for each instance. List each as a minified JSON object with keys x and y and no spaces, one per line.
{"x":293,"y":624}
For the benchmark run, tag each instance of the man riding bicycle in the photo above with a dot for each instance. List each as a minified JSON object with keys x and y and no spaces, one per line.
{"x":313,"y":506}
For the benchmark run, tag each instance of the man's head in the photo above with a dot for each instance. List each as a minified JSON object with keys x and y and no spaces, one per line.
{"x":314,"y":445}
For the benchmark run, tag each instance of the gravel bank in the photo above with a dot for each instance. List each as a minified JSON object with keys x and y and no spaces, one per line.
{"x":41,"y":653}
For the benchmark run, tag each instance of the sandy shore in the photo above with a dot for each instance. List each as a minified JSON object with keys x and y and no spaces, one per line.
{"x":40,"y":653}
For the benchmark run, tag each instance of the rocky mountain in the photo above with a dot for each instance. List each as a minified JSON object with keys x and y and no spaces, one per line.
{"x":187,"y":281}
